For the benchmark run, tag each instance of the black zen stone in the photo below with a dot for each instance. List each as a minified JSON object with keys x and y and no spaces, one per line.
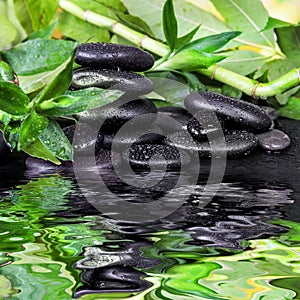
{"x":205,"y":124}
{"x":238,"y":113}
{"x":274,"y":140}
{"x":236,"y":144}
{"x":113,"y":116}
{"x":113,"y":56}
{"x":146,"y":156}
{"x":118,"y":80}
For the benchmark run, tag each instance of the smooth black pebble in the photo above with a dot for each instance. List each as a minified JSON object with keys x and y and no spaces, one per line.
{"x":204,"y":125}
{"x":119,"y":80}
{"x":145,"y":156}
{"x":238,"y":113}
{"x":274,"y":140}
{"x":113,"y":116}
{"x":131,"y":138}
{"x":113,"y":56}
{"x":236,"y":144}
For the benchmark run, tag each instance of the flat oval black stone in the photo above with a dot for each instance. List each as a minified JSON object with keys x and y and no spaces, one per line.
{"x":119,"y":80}
{"x":239,"y":114}
{"x":113,"y":56}
{"x":113,"y":116}
{"x":274,"y":140}
{"x":160,"y":155}
{"x":238,"y":143}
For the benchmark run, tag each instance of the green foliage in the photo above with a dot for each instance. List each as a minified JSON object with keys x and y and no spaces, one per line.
{"x":38,"y":55}
{"x":291,"y":109}
{"x":169,"y":24}
{"x":247,"y":40}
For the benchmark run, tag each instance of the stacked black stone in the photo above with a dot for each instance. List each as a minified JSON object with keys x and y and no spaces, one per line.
{"x":209,"y":124}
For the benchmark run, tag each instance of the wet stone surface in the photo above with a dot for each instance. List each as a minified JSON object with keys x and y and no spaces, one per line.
{"x":129,"y":82}
{"x":113,"y":56}
{"x":238,"y":113}
{"x":274,"y":140}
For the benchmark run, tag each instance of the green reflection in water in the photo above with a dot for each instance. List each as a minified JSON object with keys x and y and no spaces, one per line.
{"x":38,"y":250}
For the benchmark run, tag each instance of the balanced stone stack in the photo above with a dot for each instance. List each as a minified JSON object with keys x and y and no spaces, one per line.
{"x":210,"y":123}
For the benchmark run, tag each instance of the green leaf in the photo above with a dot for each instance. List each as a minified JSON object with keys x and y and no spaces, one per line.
{"x":169,"y":23}
{"x":44,"y":33}
{"x":54,"y":139}
{"x":5,"y":118}
{"x":190,"y":60}
{"x":13,"y":16}
{"x":59,"y":82}
{"x":211,"y":43}
{"x":8,"y":32}
{"x":289,"y":42}
{"x":275,"y":23}
{"x":291,"y":109}
{"x":186,"y":38}
{"x":31,"y":128}
{"x":134,"y":23}
{"x":79,"y":30}
{"x":39,"y":55}
{"x":41,"y":12}
{"x":188,"y":16}
{"x":195,"y":84}
{"x":11,"y":134}
{"x":240,"y":15}
{"x":6,"y":72}
{"x":13,"y":100}
{"x":77,"y":101}
{"x":38,"y":149}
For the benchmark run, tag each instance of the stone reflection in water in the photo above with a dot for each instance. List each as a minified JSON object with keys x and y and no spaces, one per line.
{"x":237,"y":213}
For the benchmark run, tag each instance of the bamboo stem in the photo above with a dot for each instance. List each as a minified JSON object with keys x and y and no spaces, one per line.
{"x":216,"y":72}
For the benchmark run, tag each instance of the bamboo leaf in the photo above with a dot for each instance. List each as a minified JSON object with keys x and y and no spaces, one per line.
{"x":77,"y":101}
{"x":190,"y":60}
{"x":169,"y":23}
{"x":211,"y":43}
{"x":186,"y":38}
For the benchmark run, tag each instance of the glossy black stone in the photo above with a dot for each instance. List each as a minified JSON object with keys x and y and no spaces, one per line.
{"x":274,"y":140}
{"x":238,"y":114}
{"x":142,"y":156}
{"x":113,"y":56}
{"x":132,"y":137}
{"x":204,"y":125}
{"x":236,"y":144}
{"x":120,"y":80}
{"x":113,"y":116}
